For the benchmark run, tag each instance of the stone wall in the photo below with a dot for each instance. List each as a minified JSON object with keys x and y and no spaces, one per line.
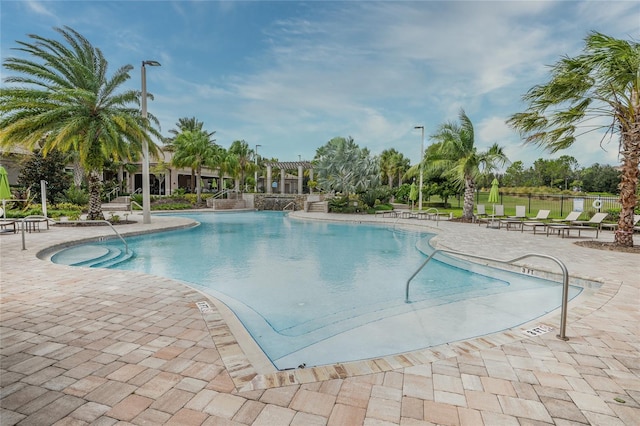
{"x":225,"y":204}
{"x":278,"y":201}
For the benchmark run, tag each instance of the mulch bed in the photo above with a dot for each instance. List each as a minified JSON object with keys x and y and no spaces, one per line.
{"x":601,"y":245}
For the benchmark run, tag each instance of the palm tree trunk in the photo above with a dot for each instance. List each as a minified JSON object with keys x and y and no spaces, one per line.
{"x":630,"y":151}
{"x":95,"y":204}
{"x":78,"y":173}
{"x":469,"y":192}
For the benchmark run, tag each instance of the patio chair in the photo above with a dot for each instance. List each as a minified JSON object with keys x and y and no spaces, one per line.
{"x":521,"y":213}
{"x":571,"y":217}
{"x":493,"y":220}
{"x":614,"y":226}
{"x":515,"y":221}
{"x":536,"y":222}
{"x":596,"y":219}
{"x":481,"y":212}
{"x":578,"y":225}
{"x":542,"y":215}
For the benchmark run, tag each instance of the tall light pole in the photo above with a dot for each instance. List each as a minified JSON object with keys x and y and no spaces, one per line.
{"x":146,"y":196}
{"x":421,"y":159}
{"x":255,"y":175}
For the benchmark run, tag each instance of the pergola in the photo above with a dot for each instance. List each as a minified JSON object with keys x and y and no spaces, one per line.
{"x":288,"y":165}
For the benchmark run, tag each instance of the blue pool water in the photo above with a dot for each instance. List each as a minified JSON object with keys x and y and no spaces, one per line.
{"x":318,"y":292}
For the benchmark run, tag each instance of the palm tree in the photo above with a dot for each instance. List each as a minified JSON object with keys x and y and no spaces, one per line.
{"x":64,"y":97}
{"x":458,"y":157}
{"x":187,"y":124}
{"x":402,"y":165}
{"x":388,"y":165}
{"x":195,"y":149}
{"x":602,"y":82}
{"x":244,"y":156}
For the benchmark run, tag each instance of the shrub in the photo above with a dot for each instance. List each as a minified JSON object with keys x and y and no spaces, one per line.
{"x":137,"y":198}
{"x":68,"y":206}
{"x":172,"y":206}
{"x":383,"y":207}
{"x":77,"y":196}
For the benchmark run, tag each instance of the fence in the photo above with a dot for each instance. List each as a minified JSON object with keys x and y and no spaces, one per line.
{"x":560,"y":205}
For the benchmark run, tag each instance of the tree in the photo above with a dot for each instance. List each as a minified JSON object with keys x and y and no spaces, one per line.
{"x":64,"y":97}
{"x":195,"y":149}
{"x":458,"y":157}
{"x":514,"y":175}
{"x":184,"y":124}
{"x":50,"y":169}
{"x":600,"y":83}
{"x":600,"y":178}
{"x":244,"y":156}
{"x":343,"y":166}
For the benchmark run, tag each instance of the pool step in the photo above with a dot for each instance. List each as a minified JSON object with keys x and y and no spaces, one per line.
{"x":91,"y":256}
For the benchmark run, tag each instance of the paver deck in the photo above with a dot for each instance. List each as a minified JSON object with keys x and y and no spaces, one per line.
{"x":95,"y":346}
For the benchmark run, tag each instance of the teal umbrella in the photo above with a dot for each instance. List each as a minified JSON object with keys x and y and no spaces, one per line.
{"x":494,"y":195}
{"x":5,"y":191}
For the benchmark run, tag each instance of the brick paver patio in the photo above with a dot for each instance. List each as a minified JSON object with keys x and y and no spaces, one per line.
{"x":95,"y":346}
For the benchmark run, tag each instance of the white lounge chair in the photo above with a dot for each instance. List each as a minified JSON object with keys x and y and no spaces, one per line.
{"x":536,"y":222}
{"x":515,"y":221}
{"x":481,"y":212}
{"x":542,"y":215}
{"x":614,"y":226}
{"x":571,"y":217}
{"x":579,"y":225}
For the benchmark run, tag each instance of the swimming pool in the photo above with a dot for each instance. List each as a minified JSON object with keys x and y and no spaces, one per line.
{"x":318,"y":292}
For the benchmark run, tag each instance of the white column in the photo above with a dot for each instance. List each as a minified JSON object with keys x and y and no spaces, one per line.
{"x":300,"y":176}
{"x":269,"y":189}
{"x":283,"y":175}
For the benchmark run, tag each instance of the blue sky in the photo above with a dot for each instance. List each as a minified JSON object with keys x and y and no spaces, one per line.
{"x":290,"y":76}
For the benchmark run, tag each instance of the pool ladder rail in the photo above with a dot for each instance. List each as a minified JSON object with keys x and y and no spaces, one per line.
{"x":49,"y":220}
{"x":292,"y":204}
{"x":565,"y":279}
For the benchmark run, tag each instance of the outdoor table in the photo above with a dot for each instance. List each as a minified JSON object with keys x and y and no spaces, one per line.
{"x":32,"y":225}
{"x":4,"y":226}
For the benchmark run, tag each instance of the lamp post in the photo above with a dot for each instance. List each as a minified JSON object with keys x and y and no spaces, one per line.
{"x":255,"y":175}
{"x":421,"y":158}
{"x":146,"y":196}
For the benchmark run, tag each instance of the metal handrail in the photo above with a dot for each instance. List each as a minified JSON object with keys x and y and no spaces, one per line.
{"x":115,"y":190}
{"x":222,"y":193}
{"x":24,"y":219}
{"x":565,"y":279}
{"x":134,"y":202}
{"x":293,"y":203}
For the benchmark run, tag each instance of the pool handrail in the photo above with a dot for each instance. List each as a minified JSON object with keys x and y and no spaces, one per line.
{"x":292,"y":203}
{"x":35,"y":216}
{"x":565,"y":279}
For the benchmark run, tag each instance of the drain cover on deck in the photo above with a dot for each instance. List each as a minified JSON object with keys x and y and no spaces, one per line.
{"x":204,"y":307}
{"x":537,"y":331}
